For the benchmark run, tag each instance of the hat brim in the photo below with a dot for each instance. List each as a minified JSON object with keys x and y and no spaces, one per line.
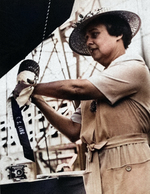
{"x":77,"y":39}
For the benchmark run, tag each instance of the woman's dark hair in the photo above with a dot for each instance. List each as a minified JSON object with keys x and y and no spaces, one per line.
{"x":115,"y":26}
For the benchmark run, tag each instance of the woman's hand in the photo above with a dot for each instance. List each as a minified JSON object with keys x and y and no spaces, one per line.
{"x":35,"y":99}
{"x":19,"y":87}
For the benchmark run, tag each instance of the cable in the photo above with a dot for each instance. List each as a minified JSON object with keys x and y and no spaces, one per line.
{"x":45,"y":27}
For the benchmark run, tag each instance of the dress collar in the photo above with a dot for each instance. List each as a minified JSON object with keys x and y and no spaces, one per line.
{"x":126,"y":57}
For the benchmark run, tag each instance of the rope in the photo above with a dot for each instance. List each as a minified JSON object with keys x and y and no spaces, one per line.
{"x":45,"y":27}
{"x":44,"y":33}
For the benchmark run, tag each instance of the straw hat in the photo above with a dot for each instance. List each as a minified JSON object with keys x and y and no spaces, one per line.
{"x":77,"y":39}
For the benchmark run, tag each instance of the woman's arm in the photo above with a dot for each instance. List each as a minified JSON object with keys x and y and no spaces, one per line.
{"x":69,"y":89}
{"x":65,"y":125}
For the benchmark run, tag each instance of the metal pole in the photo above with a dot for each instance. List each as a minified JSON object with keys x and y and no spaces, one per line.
{"x":64,"y":53}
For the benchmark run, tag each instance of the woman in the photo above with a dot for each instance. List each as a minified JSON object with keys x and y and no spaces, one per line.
{"x":113,"y":119}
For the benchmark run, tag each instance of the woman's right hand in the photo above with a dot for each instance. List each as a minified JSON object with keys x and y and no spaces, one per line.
{"x":35,"y":99}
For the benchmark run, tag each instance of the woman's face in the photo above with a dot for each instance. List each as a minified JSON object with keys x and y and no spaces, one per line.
{"x":102,"y":46}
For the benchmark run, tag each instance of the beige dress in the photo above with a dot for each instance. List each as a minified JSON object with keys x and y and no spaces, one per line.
{"x":116,"y":134}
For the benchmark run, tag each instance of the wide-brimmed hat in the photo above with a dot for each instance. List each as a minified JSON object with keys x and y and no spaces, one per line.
{"x":77,"y":39}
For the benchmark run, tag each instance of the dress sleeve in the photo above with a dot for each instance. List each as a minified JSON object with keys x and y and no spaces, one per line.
{"x":120,"y":80}
{"x":76,"y":117}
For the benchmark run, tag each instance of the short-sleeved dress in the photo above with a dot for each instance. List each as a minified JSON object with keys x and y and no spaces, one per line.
{"x":117,"y":132}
